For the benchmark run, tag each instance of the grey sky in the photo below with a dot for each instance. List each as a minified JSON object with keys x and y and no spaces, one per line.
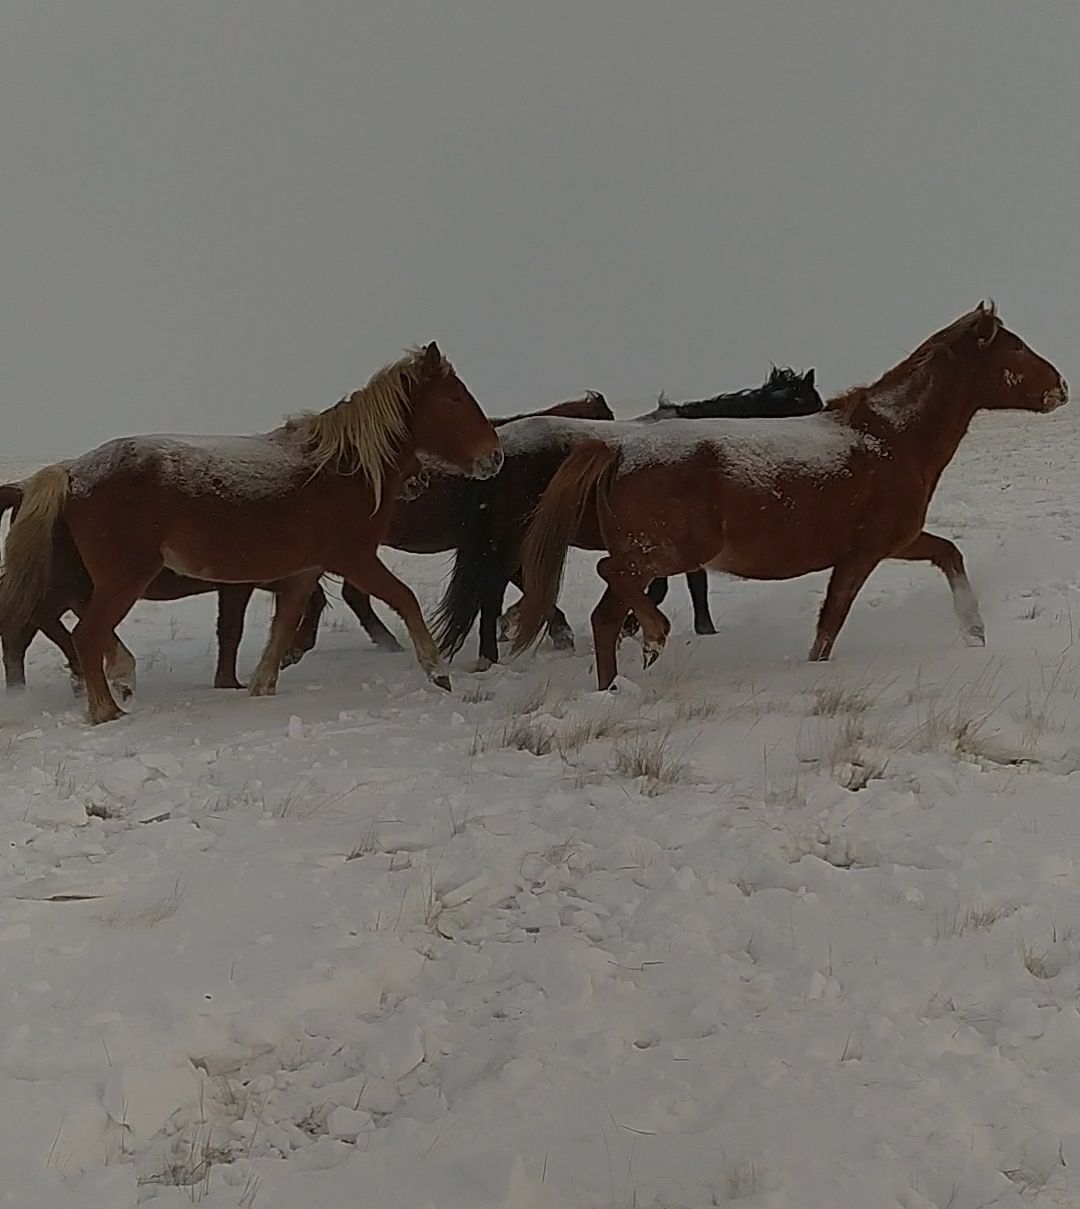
{"x":216,"y":211}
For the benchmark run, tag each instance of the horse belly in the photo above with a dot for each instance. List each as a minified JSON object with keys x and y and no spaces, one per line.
{"x":782,"y":546}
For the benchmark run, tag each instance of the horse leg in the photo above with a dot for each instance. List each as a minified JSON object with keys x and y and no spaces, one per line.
{"x":290,"y":596}
{"x":120,"y":668}
{"x":844,"y":584}
{"x":656,"y":591}
{"x":698,"y":583}
{"x":508,"y":623}
{"x":379,"y":581}
{"x":490,"y":609}
{"x":119,"y":661}
{"x":928,"y":547}
{"x":360,"y":603}
{"x":94,"y":636}
{"x":14,"y":646}
{"x":559,"y":631}
{"x":308,"y":629}
{"x":232,"y":605}
{"x":628,"y":583}
{"x":607,"y":619}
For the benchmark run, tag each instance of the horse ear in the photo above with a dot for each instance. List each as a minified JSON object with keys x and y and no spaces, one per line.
{"x":986,"y":326}
{"x":808,"y":377}
{"x":433,"y":359}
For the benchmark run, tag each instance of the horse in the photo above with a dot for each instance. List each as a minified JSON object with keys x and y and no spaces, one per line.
{"x":489,"y":552}
{"x":281,"y":507}
{"x":844,"y":490}
{"x":784,"y":393}
{"x":431,"y":517}
{"x":427,"y":519}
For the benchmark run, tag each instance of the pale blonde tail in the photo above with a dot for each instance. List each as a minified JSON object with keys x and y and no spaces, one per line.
{"x":28,"y":551}
{"x":585,"y":474}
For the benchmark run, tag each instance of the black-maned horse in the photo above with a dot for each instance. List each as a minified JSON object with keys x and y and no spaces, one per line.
{"x":489,"y":552}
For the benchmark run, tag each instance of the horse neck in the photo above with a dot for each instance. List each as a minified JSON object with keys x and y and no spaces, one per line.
{"x":931,"y":425}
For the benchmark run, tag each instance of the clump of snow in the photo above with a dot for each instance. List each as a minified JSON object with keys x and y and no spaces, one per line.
{"x":392,"y":956}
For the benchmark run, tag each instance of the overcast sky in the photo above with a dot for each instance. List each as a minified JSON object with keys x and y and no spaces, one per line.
{"x":213,"y":212}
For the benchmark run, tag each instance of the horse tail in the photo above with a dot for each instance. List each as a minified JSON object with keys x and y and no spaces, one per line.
{"x":29,"y":549}
{"x":477,"y":570}
{"x":586,"y":474}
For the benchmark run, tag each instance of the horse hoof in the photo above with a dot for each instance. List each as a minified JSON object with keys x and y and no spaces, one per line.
{"x":105,"y":713}
{"x":291,"y":656}
{"x":441,"y":681}
{"x":482,"y":664}
{"x":562,"y":642}
{"x":233,"y":683}
{"x":976,"y":636}
{"x":704,"y":627}
{"x":257,"y":689}
{"x":650,"y":653}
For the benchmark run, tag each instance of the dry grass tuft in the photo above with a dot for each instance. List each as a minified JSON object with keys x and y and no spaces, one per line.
{"x":970,"y":919}
{"x":1036,"y":961}
{"x":573,"y":735}
{"x":832,"y":698}
{"x":477,"y":694}
{"x":525,"y":734}
{"x":650,"y":758}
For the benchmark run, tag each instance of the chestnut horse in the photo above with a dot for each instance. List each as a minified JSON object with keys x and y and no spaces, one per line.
{"x":842,"y":490}
{"x":316,"y":494}
{"x":489,"y":553}
{"x":70,"y":588}
{"x":428,"y":518}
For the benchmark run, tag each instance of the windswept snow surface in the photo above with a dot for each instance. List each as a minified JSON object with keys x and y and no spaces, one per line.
{"x":352,"y":947}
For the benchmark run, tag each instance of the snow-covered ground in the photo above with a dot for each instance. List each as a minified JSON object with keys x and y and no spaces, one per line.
{"x":357,"y":947}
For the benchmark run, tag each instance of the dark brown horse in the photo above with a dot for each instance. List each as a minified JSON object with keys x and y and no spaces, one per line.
{"x":489,"y":553}
{"x":427,"y":519}
{"x":316,"y":494}
{"x":842,"y":490}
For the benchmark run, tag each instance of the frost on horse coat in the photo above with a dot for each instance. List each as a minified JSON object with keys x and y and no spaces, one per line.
{"x":315,"y":494}
{"x":851,"y":487}
{"x":489,"y":553}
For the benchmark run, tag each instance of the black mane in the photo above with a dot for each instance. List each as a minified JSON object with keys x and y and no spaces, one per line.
{"x":784,"y":393}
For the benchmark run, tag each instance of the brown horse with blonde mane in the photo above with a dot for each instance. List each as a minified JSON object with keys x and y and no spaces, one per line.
{"x":844,"y":489}
{"x":428,"y":519}
{"x":315,"y":495}
{"x":432,"y":518}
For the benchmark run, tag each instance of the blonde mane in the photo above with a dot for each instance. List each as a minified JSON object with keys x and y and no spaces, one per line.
{"x":364,"y":432}
{"x":944,"y":341}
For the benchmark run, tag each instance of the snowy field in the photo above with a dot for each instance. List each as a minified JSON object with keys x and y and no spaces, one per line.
{"x":748,"y":931}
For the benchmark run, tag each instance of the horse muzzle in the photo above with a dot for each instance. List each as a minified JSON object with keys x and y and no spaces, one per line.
{"x":1057,"y":396}
{"x":489,"y":466}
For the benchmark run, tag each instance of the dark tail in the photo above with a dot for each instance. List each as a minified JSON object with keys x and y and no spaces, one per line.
{"x":478,"y":570}
{"x":585,"y":475}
